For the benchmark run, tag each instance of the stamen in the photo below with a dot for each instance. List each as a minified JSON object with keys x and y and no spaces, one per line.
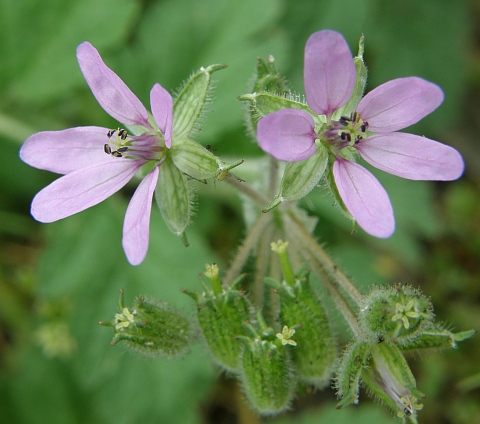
{"x":110,"y":133}
{"x":122,"y":134}
{"x":117,"y":154}
{"x":107,"y":149}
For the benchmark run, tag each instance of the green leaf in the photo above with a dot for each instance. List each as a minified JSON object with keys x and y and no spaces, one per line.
{"x":180,"y":35}
{"x":42,"y":64}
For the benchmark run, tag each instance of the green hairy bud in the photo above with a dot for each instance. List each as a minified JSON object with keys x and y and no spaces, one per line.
{"x":268,"y":78}
{"x":300,"y":308}
{"x":221,"y":316}
{"x":398,"y":313}
{"x":391,"y":381}
{"x":150,"y":327}
{"x":267,"y":377}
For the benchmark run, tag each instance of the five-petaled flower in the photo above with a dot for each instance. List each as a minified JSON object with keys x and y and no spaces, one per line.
{"x":97,"y":162}
{"x":330,"y":74}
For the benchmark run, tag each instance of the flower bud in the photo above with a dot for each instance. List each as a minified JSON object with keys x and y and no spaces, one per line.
{"x":315,"y":352}
{"x":389,"y":378}
{"x":268,"y":78}
{"x":151,"y":328}
{"x":397,"y":314}
{"x":221,"y":316}
{"x":267,"y":377}
{"x":300,"y":308}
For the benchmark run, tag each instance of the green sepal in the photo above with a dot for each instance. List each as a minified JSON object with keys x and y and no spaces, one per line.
{"x":349,"y":371}
{"x":299,"y":178}
{"x":391,"y":381}
{"x":151,"y":328}
{"x":315,"y":354}
{"x":193,"y":159}
{"x":263,"y":103}
{"x":267,"y":377}
{"x":190,"y":101}
{"x":221,"y":319}
{"x":174,"y":197}
{"x":437,"y":337}
{"x":360,"y":84}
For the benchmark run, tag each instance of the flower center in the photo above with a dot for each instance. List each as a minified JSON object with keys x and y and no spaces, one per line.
{"x":353,"y":128}
{"x":144,"y":147}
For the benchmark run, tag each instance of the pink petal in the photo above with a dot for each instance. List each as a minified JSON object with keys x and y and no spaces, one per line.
{"x":365,"y":198}
{"x":66,"y":151}
{"x":82,"y":189}
{"x":109,"y":90}
{"x":329,"y":72}
{"x":287,"y":134}
{"x":411,"y":156}
{"x":399,"y":103}
{"x":162,"y":110}
{"x":136,"y":227}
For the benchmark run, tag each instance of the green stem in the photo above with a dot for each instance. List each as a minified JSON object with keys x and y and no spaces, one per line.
{"x":14,"y":129}
{"x":325,"y":260}
{"x":305,"y":243}
{"x":254,"y":233}
{"x":251,"y":193}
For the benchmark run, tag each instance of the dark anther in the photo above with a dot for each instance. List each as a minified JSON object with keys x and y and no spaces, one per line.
{"x":122,"y":134}
{"x":110,"y":133}
{"x":344,"y":120}
{"x":107,"y":149}
{"x":122,"y":149}
{"x":116,"y":154}
{"x":346,"y":136}
{"x":355,"y":117}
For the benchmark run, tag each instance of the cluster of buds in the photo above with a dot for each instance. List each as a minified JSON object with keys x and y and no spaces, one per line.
{"x":393,"y":321}
{"x":268,"y":358}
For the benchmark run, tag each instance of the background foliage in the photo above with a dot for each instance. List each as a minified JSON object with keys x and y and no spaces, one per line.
{"x":58,"y":280}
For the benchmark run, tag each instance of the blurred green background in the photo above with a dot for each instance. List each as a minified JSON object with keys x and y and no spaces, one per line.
{"x":58,"y":280}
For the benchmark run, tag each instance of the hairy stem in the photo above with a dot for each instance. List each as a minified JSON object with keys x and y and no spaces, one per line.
{"x":250,"y":241}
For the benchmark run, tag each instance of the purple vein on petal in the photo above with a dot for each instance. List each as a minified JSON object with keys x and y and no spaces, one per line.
{"x":399,"y":103}
{"x":67,"y":150}
{"x":136,"y":227}
{"x":364,"y":197}
{"x":287,"y":134}
{"x":329,"y":72}
{"x":82,"y":189}
{"x":412,"y":157}
{"x":162,"y":110}
{"x":110,"y":91}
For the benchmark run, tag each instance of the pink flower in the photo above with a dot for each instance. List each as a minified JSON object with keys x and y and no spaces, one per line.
{"x":97,"y":162}
{"x":329,"y":73}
